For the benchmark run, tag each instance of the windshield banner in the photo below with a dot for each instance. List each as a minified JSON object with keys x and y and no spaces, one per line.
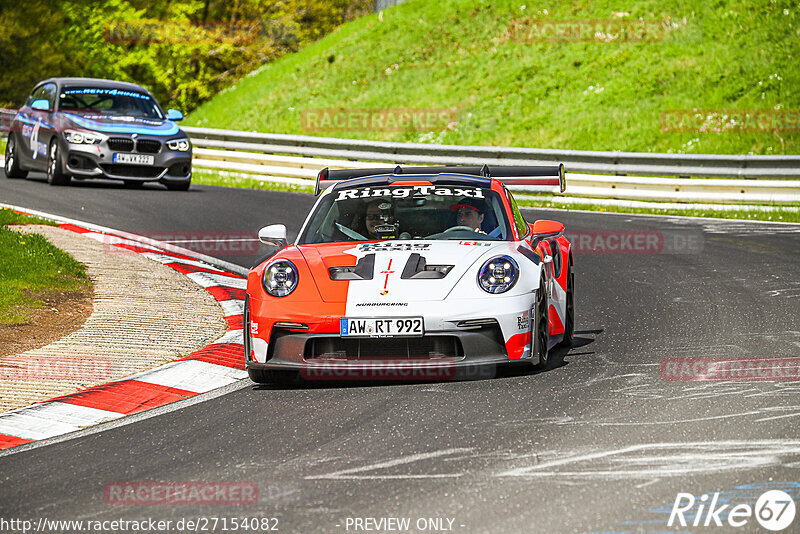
{"x":405,"y":192}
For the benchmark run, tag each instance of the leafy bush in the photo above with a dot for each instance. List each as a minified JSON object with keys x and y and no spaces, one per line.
{"x":184,"y":51}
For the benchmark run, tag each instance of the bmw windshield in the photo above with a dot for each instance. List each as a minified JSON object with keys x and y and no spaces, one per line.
{"x":378,"y":213}
{"x":107,"y":101}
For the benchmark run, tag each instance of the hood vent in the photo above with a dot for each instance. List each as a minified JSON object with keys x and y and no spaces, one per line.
{"x":417,"y":268}
{"x":363,"y":270}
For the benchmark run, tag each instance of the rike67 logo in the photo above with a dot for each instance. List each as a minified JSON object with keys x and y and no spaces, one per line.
{"x":774,"y":510}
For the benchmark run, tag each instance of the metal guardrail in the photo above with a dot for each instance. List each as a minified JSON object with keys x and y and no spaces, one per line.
{"x":6,"y":115}
{"x":590,"y":185}
{"x":618,"y":163}
{"x":718,"y":178}
{"x":622,"y":175}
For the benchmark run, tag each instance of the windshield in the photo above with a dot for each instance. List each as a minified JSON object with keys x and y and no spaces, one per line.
{"x":109,"y":101}
{"x":378,"y":213}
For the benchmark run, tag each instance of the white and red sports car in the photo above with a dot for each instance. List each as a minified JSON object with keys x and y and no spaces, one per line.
{"x":411,"y":269}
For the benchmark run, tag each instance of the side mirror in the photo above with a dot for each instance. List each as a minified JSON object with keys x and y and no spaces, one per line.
{"x":544,"y":229}
{"x":174,"y":115}
{"x":41,"y":105}
{"x":274,"y":234}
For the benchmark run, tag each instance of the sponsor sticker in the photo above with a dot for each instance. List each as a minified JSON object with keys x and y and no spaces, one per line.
{"x":393,"y":247}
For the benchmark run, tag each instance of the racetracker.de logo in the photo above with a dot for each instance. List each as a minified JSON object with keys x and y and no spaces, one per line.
{"x":724,"y":369}
{"x":32,"y":367}
{"x":614,"y":30}
{"x":231,"y":243}
{"x":394,"y":370}
{"x":635,"y":241}
{"x":731,"y":120}
{"x":178,"y":493}
{"x":377,"y":120}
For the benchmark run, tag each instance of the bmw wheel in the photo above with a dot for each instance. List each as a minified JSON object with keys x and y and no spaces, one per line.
{"x":542,"y":326}
{"x":55,"y":174}
{"x":12,"y":167}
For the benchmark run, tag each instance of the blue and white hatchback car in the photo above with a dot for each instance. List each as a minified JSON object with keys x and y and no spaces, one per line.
{"x":89,"y":128}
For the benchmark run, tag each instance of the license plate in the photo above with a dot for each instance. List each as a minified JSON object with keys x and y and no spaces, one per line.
{"x":134,"y":159}
{"x":389,"y":327}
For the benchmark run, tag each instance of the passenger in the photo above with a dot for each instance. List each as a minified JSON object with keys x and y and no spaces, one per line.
{"x":470,"y":212}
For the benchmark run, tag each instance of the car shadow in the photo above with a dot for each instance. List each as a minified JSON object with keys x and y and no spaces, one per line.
{"x":558,"y":356}
{"x":100,"y":183}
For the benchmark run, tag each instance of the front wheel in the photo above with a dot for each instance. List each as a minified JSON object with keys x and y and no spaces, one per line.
{"x":55,"y":173}
{"x":542,"y":326}
{"x":12,"y":167}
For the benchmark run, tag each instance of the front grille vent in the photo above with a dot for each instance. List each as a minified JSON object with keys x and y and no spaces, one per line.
{"x":148,"y":146}
{"x":120,"y":144}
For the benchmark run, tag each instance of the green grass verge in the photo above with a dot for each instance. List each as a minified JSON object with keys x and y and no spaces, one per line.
{"x":460,"y":55}
{"x":209,"y":177}
{"x":8,"y":216}
{"x":31,"y":268}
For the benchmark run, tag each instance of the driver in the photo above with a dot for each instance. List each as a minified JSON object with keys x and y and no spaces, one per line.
{"x":379,"y":220}
{"x":470,"y":212}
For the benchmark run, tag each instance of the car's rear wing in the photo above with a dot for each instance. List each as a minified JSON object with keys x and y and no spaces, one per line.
{"x":542,"y":175}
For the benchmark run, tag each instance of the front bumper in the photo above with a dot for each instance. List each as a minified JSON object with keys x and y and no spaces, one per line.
{"x":97,"y":161}
{"x":460,"y":337}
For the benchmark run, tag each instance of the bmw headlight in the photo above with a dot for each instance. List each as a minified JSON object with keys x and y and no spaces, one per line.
{"x":498,"y":275}
{"x":82,"y":138}
{"x":280,"y":278}
{"x":181,"y":145}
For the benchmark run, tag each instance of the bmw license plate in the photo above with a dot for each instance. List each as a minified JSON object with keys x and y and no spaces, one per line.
{"x":134,"y":159}
{"x":389,"y":327}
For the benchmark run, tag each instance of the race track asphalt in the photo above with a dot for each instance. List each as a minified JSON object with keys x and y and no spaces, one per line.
{"x":598,"y":443}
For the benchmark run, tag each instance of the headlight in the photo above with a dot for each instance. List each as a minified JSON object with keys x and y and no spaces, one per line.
{"x":498,"y":275}
{"x":280,"y":278}
{"x":178,"y":144}
{"x":82,"y":138}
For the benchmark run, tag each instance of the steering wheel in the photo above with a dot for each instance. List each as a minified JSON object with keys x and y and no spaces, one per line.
{"x":349,"y":232}
{"x":457,"y":228}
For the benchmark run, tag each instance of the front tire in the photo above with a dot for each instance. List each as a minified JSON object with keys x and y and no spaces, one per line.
{"x":542,"y":326}
{"x":12,"y":168}
{"x":55,"y":173}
